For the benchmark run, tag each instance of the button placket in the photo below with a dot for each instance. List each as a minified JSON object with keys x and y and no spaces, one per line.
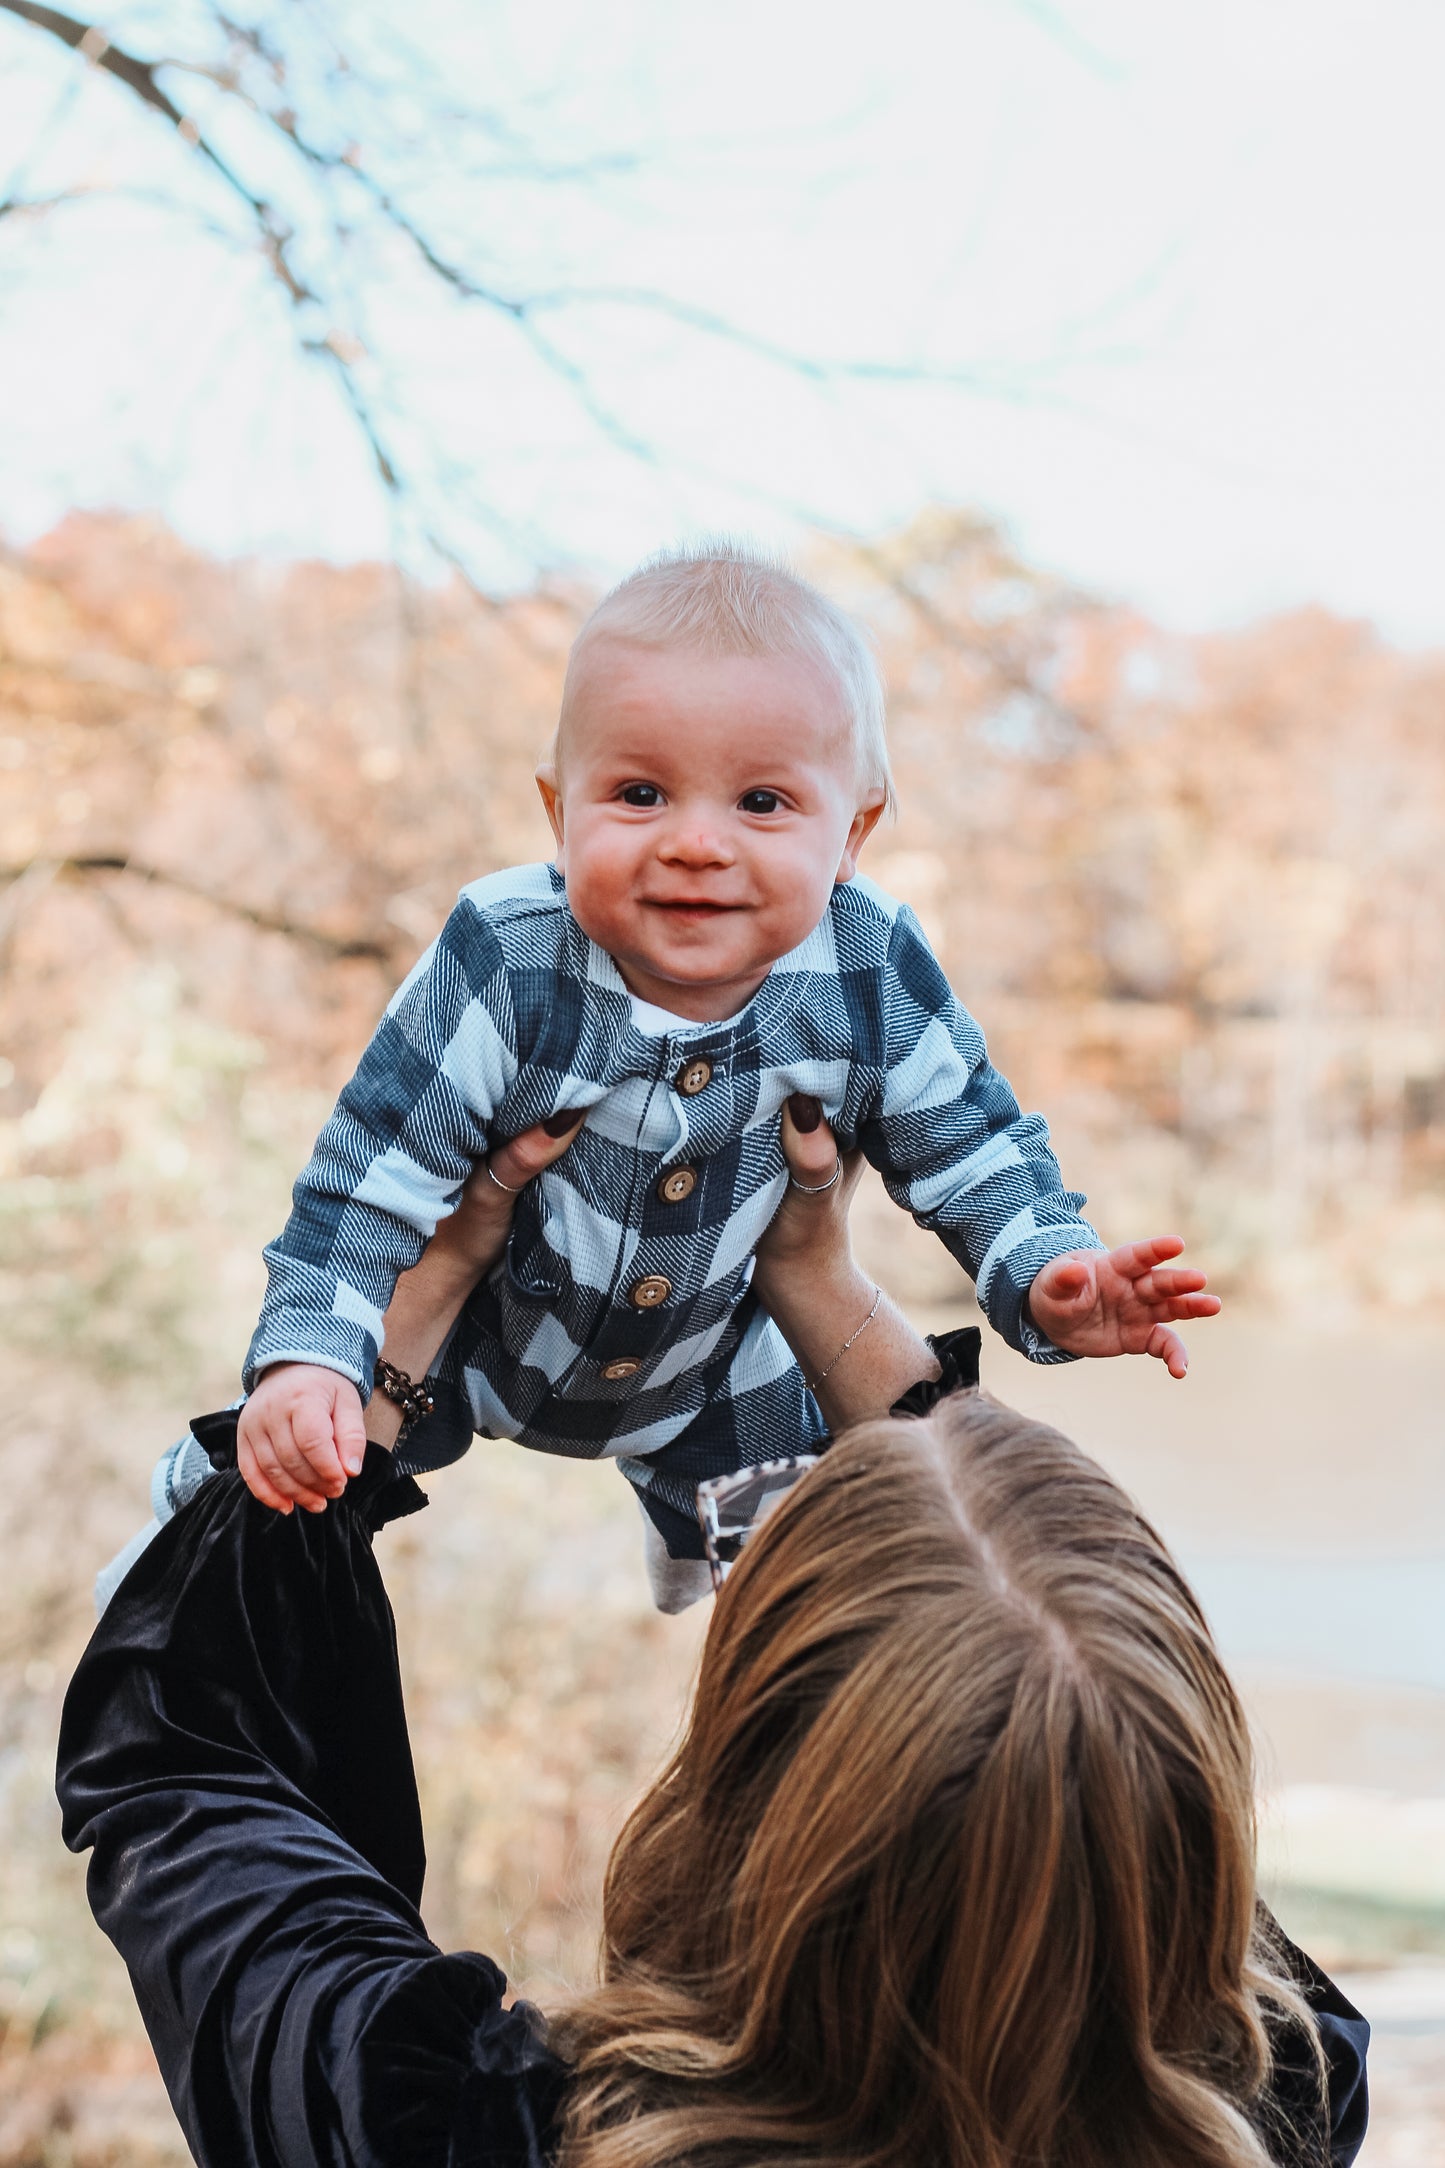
{"x":676,"y":1183}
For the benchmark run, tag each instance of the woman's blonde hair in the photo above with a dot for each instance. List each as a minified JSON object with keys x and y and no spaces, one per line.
{"x":954,"y":1866}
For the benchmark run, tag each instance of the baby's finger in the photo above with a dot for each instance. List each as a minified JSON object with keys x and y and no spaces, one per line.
{"x":1189,"y":1306}
{"x":1133,"y":1259}
{"x":310,"y":1450}
{"x":291,"y":1488}
{"x":1065,"y":1279}
{"x":809,"y":1145}
{"x":350,"y":1427}
{"x":255,"y":1480}
{"x":1181,"y":1306}
{"x":289,"y":1471}
{"x":1170,"y":1349}
{"x":1164,"y":1285}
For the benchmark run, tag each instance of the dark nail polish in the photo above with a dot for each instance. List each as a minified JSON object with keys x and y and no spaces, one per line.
{"x":557,"y":1125}
{"x":806,"y":1111}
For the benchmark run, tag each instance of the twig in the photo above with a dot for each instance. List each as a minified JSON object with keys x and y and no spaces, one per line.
{"x":98,"y":862}
{"x":139,"y":77}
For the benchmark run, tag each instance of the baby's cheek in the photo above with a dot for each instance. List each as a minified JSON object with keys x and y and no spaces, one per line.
{"x":594,"y":895}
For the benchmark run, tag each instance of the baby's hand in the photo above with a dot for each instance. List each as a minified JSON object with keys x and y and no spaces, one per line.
{"x":1117,"y":1302}
{"x":300,"y":1435}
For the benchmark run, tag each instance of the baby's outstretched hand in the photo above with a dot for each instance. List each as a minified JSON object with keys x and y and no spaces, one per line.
{"x":300,"y":1435}
{"x":1119,"y":1302}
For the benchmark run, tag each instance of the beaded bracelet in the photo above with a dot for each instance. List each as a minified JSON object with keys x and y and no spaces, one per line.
{"x":415,"y":1401}
{"x":877,"y":1298}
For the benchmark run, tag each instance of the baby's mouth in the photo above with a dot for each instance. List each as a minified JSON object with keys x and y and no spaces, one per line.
{"x":690,"y":906}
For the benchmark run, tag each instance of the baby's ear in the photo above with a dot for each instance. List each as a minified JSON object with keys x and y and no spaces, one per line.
{"x":551,"y":791}
{"x":865,"y":820}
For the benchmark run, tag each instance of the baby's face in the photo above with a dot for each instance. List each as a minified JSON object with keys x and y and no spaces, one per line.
{"x":704,"y":806}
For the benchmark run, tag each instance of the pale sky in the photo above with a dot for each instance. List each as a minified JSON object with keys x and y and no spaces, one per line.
{"x":1185,"y":263}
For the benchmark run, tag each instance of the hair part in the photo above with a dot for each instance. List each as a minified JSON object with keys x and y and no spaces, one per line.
{"x":955,"y":1861}
{"x":726,"y":597}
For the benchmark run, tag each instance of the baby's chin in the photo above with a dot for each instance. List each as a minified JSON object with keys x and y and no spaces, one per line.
{"x":695,"y":969}
{"x":682,"y":975}
{"x":677,"y":957}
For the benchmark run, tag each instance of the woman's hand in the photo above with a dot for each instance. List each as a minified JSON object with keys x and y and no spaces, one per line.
{"x":809,"y":1232}
{"x":463,"y":1250}
{"x":475,"y":1235}
{"x":808,"y":1280}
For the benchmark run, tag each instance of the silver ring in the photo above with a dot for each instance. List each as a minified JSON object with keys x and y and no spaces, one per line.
{"x":504,"y":1187}
{"x":816,"y":1189}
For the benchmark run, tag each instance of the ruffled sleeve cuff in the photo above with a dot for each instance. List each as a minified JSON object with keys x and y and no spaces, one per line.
{"x":446,"y":2074}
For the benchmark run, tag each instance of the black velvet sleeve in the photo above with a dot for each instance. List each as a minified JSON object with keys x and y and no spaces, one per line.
{"x":1298,"y":2126}
{"x":958,"y":1355}
{"x":234,"y":1752}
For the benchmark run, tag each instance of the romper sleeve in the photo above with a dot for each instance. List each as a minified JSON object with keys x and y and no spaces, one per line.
{"x":234,"y":1755}
{"x":954,"y":1149}
{"x":406,"y":1132}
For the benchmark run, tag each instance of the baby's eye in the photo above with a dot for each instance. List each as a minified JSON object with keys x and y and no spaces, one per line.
{"x":642,"y":794}
{"x":760,"y":801}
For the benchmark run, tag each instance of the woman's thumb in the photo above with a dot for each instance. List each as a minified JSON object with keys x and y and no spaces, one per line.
{"x":517,"y":1161}
{"x":808,"y":1143}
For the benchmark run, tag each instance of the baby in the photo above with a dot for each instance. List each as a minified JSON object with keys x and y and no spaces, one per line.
{"x":701,"y":949}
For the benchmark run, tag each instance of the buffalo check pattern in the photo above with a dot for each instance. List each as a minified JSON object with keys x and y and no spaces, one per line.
{"x":514,"y":1015}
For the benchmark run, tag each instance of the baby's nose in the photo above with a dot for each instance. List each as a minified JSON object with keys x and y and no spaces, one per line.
{"x":697,"y":841}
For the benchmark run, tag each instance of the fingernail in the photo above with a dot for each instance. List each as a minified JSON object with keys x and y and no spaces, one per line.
{"x":806,"y":1111}
{"x":557,"y":1125}
{"x":353,"y":1465}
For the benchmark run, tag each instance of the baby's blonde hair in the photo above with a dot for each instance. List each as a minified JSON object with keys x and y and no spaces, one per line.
{"x":724,"y":597}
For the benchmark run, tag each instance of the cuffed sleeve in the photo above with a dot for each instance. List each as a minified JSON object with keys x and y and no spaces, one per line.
{"x":954,"y":1149}
{"x":407,"y":1131}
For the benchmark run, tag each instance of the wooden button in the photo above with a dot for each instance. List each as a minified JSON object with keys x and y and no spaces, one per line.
{"x":626,"y":1366}
{"x":693,"y":1077}
{"x":648,"y":1293}
{"x":677,"y":1183}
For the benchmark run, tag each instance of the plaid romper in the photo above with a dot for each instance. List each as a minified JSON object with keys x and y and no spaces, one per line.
{"x":620,"y":1320}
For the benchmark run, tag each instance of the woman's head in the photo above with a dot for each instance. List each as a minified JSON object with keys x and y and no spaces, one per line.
{"x":954,"y":1864}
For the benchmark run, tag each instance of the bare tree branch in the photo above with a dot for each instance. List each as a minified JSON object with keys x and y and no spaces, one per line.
{"x":40,"y":206}
{"x":352,"y":196}
{"x":338,"y":353}
{"x":91,"y":864}
{"x":346,"y":167}
{"x":1065,"y":34}
{"x":139,"y":77}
